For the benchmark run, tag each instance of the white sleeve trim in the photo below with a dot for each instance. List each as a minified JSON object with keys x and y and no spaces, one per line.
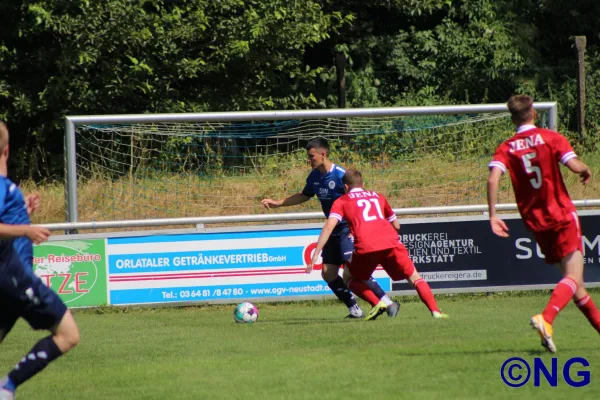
{"x":392,"y":218}
{"x":567,"y":156}
{"x":336,"y":216}
{"x":497,"y":164}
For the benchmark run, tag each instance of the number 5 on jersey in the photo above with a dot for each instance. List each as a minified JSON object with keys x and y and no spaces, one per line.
{"x":366,"y":206}
{"x":536,"y":181}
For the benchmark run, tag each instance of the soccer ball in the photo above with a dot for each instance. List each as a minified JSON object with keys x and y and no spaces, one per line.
{"x":245,"y":313}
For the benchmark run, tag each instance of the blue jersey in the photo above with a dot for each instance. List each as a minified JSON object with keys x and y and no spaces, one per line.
{"x":13,"y":211}
{"x":328,"y":188}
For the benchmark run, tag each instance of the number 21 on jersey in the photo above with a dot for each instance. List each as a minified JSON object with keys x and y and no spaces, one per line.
{"x":366,"y":206}
{"x":536,"y":181}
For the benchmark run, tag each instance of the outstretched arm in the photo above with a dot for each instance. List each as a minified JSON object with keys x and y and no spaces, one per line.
{"x":323,"y":238}
{"x":580,"y":168}
{"x":498,"y":226}
{"x":36,"y":233}
{"x":293,"y":200}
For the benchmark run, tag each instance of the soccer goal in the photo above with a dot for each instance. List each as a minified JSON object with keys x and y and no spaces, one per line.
{"x":146,"y":167}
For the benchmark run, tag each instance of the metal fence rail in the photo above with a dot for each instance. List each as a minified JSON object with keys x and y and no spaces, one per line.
{"x":140,"y":223}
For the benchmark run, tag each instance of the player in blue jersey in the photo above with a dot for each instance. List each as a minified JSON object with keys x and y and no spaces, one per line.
{"x":22,"y":294}
{"x":325,"y":182}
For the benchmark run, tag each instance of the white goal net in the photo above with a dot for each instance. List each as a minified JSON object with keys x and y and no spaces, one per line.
{"x":160,"y":170}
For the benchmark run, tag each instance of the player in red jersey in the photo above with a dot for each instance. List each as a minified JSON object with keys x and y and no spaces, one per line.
{"x":532,"y":156}
{"x":375,"y":229}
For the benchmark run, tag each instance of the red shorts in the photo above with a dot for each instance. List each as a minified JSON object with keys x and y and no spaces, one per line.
{"x":558,"y":243}
{"x":395,"y":262}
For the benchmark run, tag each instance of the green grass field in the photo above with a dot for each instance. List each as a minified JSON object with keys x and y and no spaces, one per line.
{"x":308,"y":351}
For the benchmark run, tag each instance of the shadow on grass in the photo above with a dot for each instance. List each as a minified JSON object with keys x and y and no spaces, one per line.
{"x":308,"y":321}
{"x":509,"y":352}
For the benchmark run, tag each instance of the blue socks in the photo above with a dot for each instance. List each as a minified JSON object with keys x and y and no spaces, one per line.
{"x":342,"y":292}
{"x":44,"y":352}
{"x":375,"y":288}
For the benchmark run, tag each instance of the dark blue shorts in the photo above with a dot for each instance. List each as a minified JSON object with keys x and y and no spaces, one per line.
{"x":22,"y":294}
{"x":338,"y":249}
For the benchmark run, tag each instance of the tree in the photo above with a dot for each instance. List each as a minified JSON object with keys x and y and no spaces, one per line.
{"x":65,"y":57}
{"x":416,"y":51}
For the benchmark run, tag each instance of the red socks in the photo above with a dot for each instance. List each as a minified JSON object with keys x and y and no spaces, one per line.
{"x":563,"y":292}
{"x":588,"y":308}
{"x":363,"y":291}
{"x":426,"y":295}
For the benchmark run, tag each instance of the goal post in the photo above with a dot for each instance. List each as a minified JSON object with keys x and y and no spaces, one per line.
{"x":184,"y":162}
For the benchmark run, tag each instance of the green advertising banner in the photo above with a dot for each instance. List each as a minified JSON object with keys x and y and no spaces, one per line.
{"x":75,"y":269}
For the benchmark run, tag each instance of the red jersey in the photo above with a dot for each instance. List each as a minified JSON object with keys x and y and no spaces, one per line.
{"x":532,"y":156}
{"x":369,"y":218}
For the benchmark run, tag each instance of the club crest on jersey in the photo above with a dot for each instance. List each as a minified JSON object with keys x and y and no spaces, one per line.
{"x":523,"y":144}
{"x":331,"y":184}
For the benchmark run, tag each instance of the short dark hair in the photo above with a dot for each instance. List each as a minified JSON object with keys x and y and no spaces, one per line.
{"x":521,"y":108}
{"x":318,"y":143}
{"x":353,"y":178}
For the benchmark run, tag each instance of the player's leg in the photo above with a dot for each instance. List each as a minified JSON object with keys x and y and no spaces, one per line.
{"x":330,"y":274}
{"x":63,"y":338}
{"x":8,"y":313}
{"x":586,"y":305}
{"x":582,"y":299}
{"x":399,"y":266}
{"x":359,"y":288}
{"x":10,"y":304}
{"x":10,"y":308}
{"x":7,"y":321}
{"x":559,"y":247}
{"x":393,"y":307}
{"x":370,"y":291}
{"x":44,"y":310}
{"x":378,"y":290}
{"x":361,"y":267}
{"x":333,"y":256}
{"x":425,"y":294}
{"x":66,"y":333}
{"x":564,"y":291}
{"x":572,"y":268}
